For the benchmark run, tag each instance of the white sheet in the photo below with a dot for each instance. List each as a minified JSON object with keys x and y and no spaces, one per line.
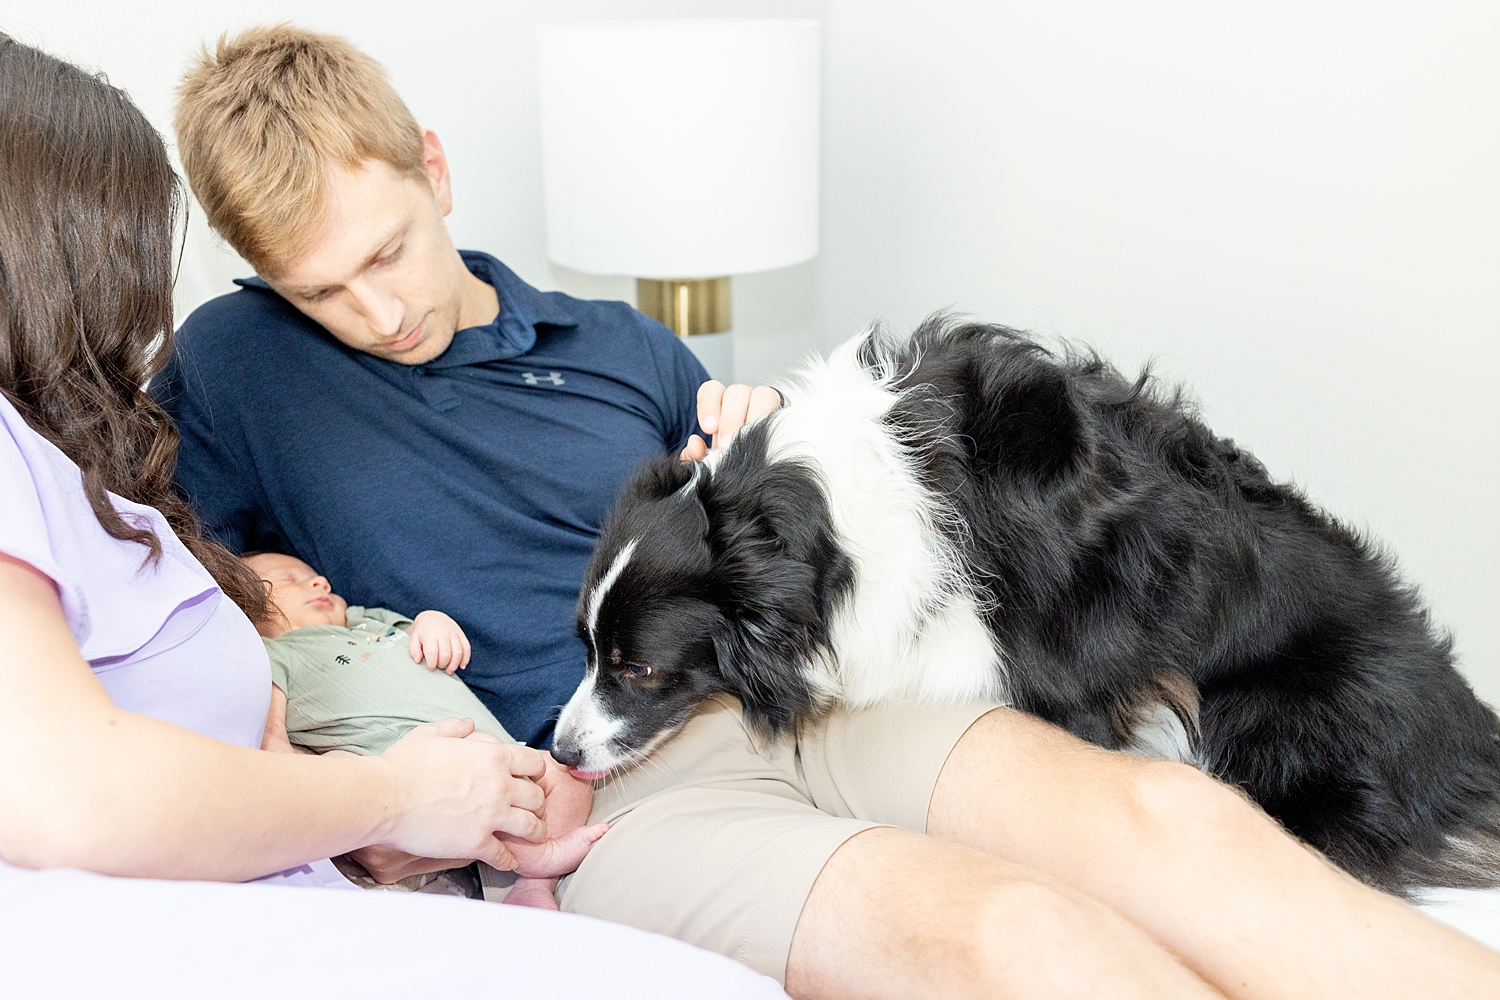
{"x":1476,"y":912}
{"x":75,"y":934}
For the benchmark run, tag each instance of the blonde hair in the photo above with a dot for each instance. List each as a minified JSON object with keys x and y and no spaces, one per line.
{"x":260,"y":119}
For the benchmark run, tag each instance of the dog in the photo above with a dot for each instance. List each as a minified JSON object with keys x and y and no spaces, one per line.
{"x":965,"y":514}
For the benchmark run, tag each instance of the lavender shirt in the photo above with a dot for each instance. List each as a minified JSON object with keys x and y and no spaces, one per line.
{"x":162,"y":639}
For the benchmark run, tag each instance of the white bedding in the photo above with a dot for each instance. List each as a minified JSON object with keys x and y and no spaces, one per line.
{"x":1476,"y":912}
{"x":75,"y":934}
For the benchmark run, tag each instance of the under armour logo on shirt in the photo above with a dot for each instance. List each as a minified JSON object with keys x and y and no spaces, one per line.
{"x":532,"y":378}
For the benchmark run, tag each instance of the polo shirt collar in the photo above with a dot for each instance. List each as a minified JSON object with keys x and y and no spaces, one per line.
{"x":510,"y":334}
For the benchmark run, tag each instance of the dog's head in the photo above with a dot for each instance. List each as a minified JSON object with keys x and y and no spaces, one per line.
{"x":703,"y":581}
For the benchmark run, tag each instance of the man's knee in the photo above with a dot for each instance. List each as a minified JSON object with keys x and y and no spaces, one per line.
{"x":1008,"y":920}
{"x":1165,"y":799}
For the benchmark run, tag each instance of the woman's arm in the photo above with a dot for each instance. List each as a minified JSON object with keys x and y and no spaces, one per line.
{"x":275,"y":739}
{"x":88,"y":785}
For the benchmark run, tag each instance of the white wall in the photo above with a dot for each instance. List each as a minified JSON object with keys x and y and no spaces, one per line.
{"x":1295,"y":207}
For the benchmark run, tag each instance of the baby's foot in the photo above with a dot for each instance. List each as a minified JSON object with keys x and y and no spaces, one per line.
{"x":533,"y":892}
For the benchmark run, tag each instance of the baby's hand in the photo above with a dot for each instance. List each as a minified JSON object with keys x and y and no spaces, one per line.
{"x":556,"y":857}
{"x":274,"y":738}
{"x":566,"y":812}
{"x":437,"y":639}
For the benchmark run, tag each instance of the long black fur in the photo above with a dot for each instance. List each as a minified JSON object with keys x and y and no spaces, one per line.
{"x":1125,"y":557}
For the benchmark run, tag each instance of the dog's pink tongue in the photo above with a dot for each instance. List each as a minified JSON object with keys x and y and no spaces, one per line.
{"x":582,"y":775}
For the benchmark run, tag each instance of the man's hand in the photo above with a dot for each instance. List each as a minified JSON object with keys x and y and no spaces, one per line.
{"x":723,"y":411}
{"x":437,"y":638}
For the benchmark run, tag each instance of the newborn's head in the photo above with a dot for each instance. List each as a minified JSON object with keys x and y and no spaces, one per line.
{"x":298,"y":595}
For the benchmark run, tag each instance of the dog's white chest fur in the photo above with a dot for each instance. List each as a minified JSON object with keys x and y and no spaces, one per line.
{"x":911,"y":627}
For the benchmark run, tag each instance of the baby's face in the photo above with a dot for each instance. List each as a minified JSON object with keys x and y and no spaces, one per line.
{"x":298,"y":593}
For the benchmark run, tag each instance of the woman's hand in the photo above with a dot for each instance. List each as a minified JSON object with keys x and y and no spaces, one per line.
{"x":453,"y":792}
{"x":566,"y":803}
{"x":437,"y":639}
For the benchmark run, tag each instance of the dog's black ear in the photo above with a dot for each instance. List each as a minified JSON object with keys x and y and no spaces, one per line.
{"x":1027,"y":422}
{"x":658,"y":479}
{"x":778,"y":575}
{"x":763,"y":659}
{"x":664,"y":498}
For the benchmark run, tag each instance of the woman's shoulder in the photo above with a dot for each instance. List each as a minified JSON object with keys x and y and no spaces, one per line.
{"x":113,"y":595}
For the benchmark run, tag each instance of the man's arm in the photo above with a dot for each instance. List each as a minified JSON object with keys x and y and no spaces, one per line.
{"x":699,"y":413}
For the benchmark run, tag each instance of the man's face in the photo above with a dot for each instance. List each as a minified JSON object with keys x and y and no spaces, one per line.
{"x":299,"y":593}
{"x":383,"y":277}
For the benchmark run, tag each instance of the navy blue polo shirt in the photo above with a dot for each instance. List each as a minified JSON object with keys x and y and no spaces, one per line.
{"x":474,"y":484}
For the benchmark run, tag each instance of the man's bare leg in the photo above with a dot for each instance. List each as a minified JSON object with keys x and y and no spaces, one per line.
{"x":895,"y":914}
{"x":1192,"y":862}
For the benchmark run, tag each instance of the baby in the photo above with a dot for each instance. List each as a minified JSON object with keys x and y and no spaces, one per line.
{"x":351,"y":680}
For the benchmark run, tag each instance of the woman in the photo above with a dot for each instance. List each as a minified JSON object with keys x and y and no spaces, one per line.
{"x":128,"y":632}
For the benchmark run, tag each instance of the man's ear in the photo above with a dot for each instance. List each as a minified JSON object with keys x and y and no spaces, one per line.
{"x":436,"y":162}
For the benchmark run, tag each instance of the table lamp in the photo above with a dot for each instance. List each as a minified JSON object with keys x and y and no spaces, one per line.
{"x":681,"y":152}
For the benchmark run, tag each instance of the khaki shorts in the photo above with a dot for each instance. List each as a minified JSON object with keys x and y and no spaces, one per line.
{"x":716,"y":839}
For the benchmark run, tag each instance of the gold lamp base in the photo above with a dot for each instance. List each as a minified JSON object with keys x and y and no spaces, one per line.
{"x":686,"y":306}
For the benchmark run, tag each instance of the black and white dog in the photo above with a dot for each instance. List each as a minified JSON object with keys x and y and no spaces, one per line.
{"x":967,"y":515}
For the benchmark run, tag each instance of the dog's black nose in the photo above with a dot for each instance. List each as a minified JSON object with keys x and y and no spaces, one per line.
{"x":567,"y":756}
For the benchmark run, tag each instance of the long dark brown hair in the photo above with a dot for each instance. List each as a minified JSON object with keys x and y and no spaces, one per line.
{"x":88,"y":223}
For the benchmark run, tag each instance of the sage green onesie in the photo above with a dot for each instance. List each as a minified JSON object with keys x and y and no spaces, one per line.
{"x":356,"y":688}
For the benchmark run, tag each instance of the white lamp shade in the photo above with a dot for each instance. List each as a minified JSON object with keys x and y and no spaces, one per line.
{"x":680,"y":149}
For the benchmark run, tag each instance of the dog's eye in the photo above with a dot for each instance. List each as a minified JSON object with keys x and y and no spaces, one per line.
{"x":638,"y":670}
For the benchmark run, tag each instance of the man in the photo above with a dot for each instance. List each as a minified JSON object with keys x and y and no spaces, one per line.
{"x":475,"y":430}
{"x":351,"y":364}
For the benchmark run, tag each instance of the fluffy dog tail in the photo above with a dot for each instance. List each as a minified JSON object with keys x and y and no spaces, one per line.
{"x":1402,"y":807}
